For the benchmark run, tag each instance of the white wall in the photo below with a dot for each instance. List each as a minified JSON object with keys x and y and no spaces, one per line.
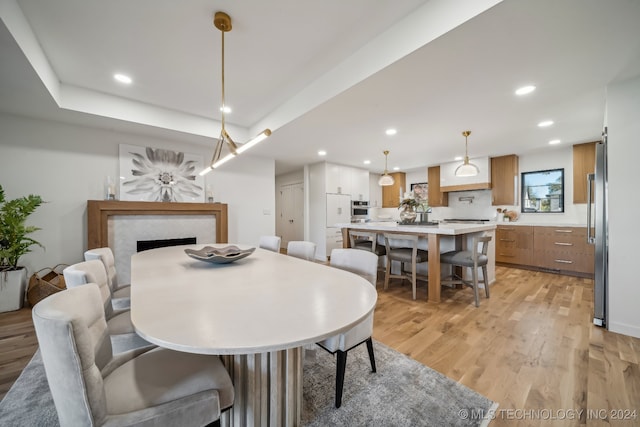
{"x":623,"y":110}
{"x":66,"y":165}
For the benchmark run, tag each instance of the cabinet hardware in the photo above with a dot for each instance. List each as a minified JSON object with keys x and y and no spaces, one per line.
{"x":507,"y":240}
{"x":507,"y":228}
{"x":508,"y":255}
{"x":563,"y":231}
{"x":563,"y":244}
{"x":563,"y":261}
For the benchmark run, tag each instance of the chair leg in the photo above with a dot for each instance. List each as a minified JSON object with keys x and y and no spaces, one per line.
{"x":413,"y":277}
{"x":372,"y":358}
{"x":475,"y":286}
{"x":486,"y":281}
{"x":386,"y":274}
{"x":340,"y":368}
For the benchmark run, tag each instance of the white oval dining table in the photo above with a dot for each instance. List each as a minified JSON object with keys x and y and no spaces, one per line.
{"x":256,"y":312}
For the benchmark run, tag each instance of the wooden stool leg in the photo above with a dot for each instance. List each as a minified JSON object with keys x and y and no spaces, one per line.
{"x":486,"y":281}
{"x":475,"y":286}
{"x":386,"y":274}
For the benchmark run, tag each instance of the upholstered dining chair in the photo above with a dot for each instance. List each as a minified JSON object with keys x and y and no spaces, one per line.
{"x":302,"y":249}
{"x":365,"y":264}
{"x":475,"y":259}
{"x":271,"y":243}
{"x":404,"y":248}
{"x":120,"y":293}
{"x":367,"y":241}
{"x":119,"y":324}
{"x":145,"y":387}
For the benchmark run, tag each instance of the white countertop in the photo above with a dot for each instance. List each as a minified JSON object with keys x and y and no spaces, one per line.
{"x":443,"y":229}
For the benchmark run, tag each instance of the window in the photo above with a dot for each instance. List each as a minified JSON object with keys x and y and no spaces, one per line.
{"x":543,"y":191}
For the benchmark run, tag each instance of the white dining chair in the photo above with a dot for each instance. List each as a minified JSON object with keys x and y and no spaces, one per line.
{"x":365,"y":264}
{"x":123,"y":334}
{"x":302,"y":249}
{"x":93,"y":387}
{"x":271,"y":243}
{"x":120,"y":293}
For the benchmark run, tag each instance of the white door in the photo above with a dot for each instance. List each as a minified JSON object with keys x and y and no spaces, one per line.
{"x":290,"y":219}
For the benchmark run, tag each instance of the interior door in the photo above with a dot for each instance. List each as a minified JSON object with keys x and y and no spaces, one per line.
{"x":290,"y":218}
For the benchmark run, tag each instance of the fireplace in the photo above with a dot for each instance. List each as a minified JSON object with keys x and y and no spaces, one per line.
{"x":144,"y":245}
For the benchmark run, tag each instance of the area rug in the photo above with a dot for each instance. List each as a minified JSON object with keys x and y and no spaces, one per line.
{"x":402,"y":393}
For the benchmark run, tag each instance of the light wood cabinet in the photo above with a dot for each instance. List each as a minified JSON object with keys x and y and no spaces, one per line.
{"x":504,"y":180}
{"x":584,"y":163}
{"x":436,"y":197}
{"x":391,"y":193}
{"x":563,"y":249}
{"x":514,"y":244}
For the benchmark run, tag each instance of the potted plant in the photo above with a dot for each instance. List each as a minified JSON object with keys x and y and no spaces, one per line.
{"x":408,"y":205}
{"x":15,"y":242}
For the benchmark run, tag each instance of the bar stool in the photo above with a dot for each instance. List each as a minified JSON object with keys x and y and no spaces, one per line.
{"x":366,"y":241}
{"x":474,"y":259}
{"x":404,"y":254}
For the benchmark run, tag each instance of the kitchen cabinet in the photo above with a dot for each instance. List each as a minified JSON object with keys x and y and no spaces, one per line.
{"x":504,"y":180}
{"x":334,"y":239}
{"x":360,"y":184}
{"x":584,"y":163}
{"x":436,"y":197}
{"x":391,"y":193}
{"x":564,"y":249}
{"x":338,"y":209}
{"x":514,"y":244}
{"x":338,"y":179}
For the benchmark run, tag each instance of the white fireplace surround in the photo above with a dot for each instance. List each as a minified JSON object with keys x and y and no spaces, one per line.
{"x":126,"y":230}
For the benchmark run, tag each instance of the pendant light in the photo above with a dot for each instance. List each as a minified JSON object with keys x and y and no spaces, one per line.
{"x":466,"y":168}
{"x":222,"y":21}
{"x":386,"y":179}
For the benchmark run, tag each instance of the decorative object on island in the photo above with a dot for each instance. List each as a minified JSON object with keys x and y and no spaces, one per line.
{"x":466,"y":168}
{"x":385,"y":179}
{"x":14,"y":243}
{"x":159,"y":175}
{"x":222,"y":21}
{"x":408,"y":207}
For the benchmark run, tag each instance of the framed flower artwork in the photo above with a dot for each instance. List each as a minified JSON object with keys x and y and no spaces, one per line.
{"x":420,"y":191}
{"x":160,"y":175}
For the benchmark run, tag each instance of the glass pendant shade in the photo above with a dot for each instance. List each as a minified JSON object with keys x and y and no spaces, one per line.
{"x":386,"y":179}
{"x":466,"y":168}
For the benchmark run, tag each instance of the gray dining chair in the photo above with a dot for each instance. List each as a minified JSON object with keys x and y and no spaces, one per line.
{"x":145,"y":387}
{"x":271,"y":243}
{"x":302,"y":249}
{"x":123,"y":334}
{"x":404,"y":249}
{"x":364,"y":264}
{"x":475,"y":259}
{"x":120,"y":293}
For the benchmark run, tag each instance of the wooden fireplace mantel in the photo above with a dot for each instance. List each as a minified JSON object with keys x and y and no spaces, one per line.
{"x":99,"y":211}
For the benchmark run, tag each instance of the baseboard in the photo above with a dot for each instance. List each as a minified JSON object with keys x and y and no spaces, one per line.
{"x":624,"y":329}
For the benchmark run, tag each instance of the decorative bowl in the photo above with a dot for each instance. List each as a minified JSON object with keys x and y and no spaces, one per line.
{"x":222,"y":255}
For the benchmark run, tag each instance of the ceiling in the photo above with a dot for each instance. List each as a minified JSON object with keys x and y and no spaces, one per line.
{"x":329,"y":75}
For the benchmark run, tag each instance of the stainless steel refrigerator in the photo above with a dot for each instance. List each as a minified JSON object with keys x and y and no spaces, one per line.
{"x":597,"y":222}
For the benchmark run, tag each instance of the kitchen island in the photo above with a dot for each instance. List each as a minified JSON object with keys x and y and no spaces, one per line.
{"x":439,"y":238}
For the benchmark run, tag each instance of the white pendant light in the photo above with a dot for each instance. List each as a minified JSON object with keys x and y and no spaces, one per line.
{"x":466,"y":168}
{"x":222,"y":21}
{"x":386,"y":179}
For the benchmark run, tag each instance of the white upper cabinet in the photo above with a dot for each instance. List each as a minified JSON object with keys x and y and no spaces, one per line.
{"x":338,"y":179}
{"x":360,"y":184}
{"x":450,"y":182}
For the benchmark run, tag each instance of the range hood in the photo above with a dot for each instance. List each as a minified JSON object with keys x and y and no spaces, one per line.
{"x":450,"y":182}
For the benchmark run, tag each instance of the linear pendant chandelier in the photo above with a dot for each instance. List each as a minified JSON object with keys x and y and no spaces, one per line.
{"x":222,"y":21}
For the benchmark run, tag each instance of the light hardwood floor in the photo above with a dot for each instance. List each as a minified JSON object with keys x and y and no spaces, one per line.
{"x":531,"y":347}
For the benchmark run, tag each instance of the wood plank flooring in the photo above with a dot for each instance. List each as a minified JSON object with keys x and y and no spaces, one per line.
{"x":531,"y":347}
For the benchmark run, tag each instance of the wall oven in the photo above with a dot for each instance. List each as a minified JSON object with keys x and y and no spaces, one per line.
{"x":359,"y":211}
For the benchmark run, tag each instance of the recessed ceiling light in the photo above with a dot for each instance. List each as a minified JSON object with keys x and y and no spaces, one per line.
{"x":554,"y":142}
{"x":225,"y":109}
{"x":545,"y":123}
{"x":122,"y":78}
{"x":458,"y":158}
{"x":390,"y":131}
{"x":367,"y":162}
{"x":524,"y":90}
{"x":322,"y":153}
{"x":396,"y":168}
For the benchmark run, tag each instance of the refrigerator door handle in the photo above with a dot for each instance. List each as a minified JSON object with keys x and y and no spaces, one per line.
{"x":591,"y":238}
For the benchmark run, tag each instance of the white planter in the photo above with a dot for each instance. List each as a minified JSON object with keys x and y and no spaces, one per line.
{"x":12,"y":288}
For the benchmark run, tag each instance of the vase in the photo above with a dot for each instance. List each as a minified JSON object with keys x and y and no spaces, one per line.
{"x":13,"y":284}
{"x":408,"y":214}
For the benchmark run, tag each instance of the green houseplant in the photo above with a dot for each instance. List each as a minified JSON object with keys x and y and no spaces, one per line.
{"x":14,"y":243}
